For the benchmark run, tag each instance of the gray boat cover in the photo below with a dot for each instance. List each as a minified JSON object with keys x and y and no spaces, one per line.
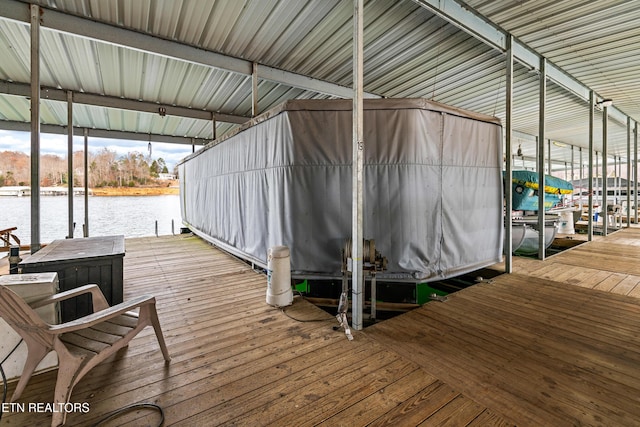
{"x":433,"y":192}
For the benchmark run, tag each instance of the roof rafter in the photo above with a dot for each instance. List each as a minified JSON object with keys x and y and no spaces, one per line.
{"x":75,"y":25}
{"x":103,"y":133}
{"x":22,"y":89}
{"x":481,"y":28}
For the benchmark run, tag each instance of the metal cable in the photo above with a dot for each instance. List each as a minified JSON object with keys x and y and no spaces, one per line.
{"x":128,"y":408}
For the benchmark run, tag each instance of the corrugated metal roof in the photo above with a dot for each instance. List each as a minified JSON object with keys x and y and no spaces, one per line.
{"x":594,"y":41}
{"x":409,"y":52}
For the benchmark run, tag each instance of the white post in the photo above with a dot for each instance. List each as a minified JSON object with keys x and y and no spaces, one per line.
{"x":605,"y":165}
{"x":635,"y":173}
{"x":357,"y":279}
{"x":541,"y":139}
{"x":508,"y":195}
{"x":590,"y":175}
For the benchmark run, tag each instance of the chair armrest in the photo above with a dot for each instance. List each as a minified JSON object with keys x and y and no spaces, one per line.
{"x":101,"y":316}
{"x":97,"y":298}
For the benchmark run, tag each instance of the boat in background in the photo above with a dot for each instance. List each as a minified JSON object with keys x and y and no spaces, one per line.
{"x":525,"y":206}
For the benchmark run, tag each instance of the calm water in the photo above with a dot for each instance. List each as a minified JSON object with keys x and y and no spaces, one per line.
{"x":133,"y":216}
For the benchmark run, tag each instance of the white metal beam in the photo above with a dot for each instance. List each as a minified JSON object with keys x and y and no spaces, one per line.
{"x":102,"y":133}
{"x":21,"y":89}
{"x":75,"y":25}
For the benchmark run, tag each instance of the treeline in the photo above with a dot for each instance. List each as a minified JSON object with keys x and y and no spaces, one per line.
{"x":106,"y":169}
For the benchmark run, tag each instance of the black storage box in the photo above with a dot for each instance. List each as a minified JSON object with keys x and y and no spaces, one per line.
{"x":79,"y":262}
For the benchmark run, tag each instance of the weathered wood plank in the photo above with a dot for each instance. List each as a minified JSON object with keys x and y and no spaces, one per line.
{"x":538,"y":347}
{"x":534,"y":344}
{"x":418,"y":407}
{"x":377,"y":369}
{"x":589,"y":278}
{"x":377,"y":404}
{"x":627,"y":285}
{"x":489,"y":419}
{"x":459,"y":411}
{"x":341,"y":398}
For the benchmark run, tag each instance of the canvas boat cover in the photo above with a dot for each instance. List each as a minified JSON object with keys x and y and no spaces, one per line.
{"x":433,"y":191}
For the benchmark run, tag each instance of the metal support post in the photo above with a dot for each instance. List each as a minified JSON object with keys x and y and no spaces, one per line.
{"x":254,"y":90}
{"x":549,"y":155}
{"x":373,"y":295}
{"x":357,"y":166}
{"x":572,"y":164}
{"x":541,"y":139}
{"x":617,"y":169}
{"x":597,"y":181}
{"x":591,"y":137}
{"x":86,"y":183}
{"x":603,"y":206}
{"x":70,"y":161}
{"x":35,"y":128}
{"x":635,"y":174}
{"x":214,"y":125}
{"x":508,"y":195}
{"x":573,"y":174}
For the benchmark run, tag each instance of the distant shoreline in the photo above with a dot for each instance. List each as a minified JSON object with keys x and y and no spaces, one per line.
{"x":134,"y":191}
{"x":169,"y":189}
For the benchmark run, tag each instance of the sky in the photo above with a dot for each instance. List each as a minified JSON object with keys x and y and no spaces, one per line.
{"x":57,"y":144}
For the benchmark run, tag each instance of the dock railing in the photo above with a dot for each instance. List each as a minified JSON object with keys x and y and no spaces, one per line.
{"x":6,"y":236}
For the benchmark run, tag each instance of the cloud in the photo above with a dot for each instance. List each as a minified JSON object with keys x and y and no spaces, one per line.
{"x":57,"y":144}
{"x":15,"y":141}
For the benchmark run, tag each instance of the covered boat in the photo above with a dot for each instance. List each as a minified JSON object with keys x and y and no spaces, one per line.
{"x":433,"y":199}
{"x":525,"y":233}
{"x":525,"y":190}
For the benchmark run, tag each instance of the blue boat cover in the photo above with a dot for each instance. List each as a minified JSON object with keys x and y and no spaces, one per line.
{"x":525,"y":187}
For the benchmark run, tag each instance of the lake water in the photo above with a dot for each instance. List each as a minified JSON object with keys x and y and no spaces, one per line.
{"x":133,"y":216}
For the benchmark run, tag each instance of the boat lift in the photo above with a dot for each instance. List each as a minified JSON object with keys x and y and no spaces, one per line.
{"x":372,"y":262}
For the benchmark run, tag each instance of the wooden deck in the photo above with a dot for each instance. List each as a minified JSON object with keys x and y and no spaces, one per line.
{"x":537,"y":347}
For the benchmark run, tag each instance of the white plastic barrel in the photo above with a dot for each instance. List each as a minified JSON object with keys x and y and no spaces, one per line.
{"x":565,"y":225}
{"x":279,"y":292}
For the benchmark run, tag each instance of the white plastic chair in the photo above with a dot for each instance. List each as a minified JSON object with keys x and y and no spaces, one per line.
{"x":81,"y":344}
